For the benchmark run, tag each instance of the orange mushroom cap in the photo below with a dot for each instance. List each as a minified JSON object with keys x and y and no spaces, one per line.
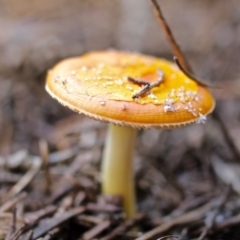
{"x":97,"y":85}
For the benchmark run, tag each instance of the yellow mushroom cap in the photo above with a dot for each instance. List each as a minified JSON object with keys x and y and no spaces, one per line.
{"x":97,"y":85}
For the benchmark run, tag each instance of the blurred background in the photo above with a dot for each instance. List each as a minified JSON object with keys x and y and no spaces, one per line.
{"x":37,"y":34}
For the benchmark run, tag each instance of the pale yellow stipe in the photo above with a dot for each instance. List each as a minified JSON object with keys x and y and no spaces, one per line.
{"x":117,"y":166}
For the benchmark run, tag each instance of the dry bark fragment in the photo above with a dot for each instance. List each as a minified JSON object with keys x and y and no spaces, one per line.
{"x":48,"y":225}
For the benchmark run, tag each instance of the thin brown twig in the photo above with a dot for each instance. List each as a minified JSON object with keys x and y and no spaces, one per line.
{"x":30,"y":235}
{"x":179,"y":57}
{"x":183,"y":234}
{"x":12,"y":202}
{"x":37,"y":217}
{"x":233,"y":221}
{"x":138,"y":81}
{"x":184,"y":219}
{"x":64,"y":186}
{"x":166,"y":237}
{"x":175,"y":47}
{"x":147,"y":86}
{"x":93,"y":232}
{"x":65,"y":204}
{"x":33,"y":217}
{"x":124,"y":227}
{"x":103,"y":208}
{"x":89,"y":219}
{"x":190,"y":75}
{"x":226,"y":134}
{"x":18,"y":233}
{"x":51,"y":234}
{"x":12,"y":227}
{"x":225,"y":224}
{"x":25,"y":180}
{"x":44,"y":153}
{"x":222,"y":201}
{"x":46,"y":226}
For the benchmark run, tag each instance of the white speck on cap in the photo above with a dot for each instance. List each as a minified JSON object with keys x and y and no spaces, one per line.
{"x":202,"y":119}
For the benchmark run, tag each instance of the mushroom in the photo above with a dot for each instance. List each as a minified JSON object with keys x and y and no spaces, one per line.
{"x":130,"y":91}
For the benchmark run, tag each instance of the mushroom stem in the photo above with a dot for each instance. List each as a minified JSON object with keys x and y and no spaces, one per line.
{"x":117,"y":166}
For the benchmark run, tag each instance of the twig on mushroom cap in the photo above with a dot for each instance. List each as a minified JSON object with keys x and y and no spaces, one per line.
{"x":138,"y":81}
{"x":147,"y":86}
